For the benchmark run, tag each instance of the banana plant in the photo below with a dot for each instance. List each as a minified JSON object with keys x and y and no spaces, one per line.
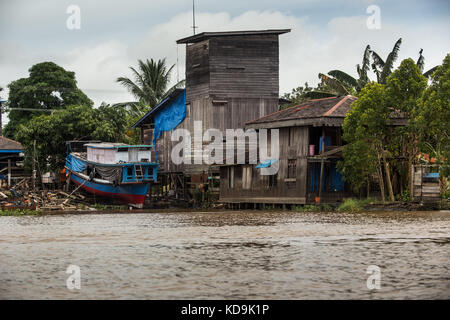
{"x":342,"y":83}
{"x":421,"y":64}
{"x":383,"y":68}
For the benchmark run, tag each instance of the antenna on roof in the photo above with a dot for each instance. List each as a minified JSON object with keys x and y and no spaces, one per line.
{"x":193,"y":16}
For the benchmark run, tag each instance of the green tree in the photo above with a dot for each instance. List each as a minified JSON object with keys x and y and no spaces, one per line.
{"x":365,"y":130}
{"x":433,"y":118}
{"x":150,"y":84}
{"x":404,"y":89}
{"x":73,"y":123}
{"x":301,"y":94}
{"x":48,"y":87}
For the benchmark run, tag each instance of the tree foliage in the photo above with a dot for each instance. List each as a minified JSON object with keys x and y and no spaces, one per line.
{"x":404,"y":89}
{"x":375,"y":143}
{"x":150,"y":83}
{"x":341,"y":83}
{"x":48,"y":87}
{"x":365,"y":129}
{"x":301,"y":94}
{"x":383,"y":68}
{"x":432,"y":120}
{"x":73,"y":123}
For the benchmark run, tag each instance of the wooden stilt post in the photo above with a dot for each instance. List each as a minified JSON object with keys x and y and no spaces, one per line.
{"x":322,"y":164}
{"x":68,"y":182}
{"x":411,"y":196}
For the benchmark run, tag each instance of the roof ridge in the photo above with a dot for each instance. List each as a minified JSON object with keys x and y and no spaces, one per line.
{"x":300,"y":108}
{"x":337,"y":105}
{"x":3,"y":137}
{"x":17,"y":144}
{"x":285,"y":110}
{"x":270,"y":114}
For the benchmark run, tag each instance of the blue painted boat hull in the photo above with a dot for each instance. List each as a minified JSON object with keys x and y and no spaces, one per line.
{"x":131,"y":194}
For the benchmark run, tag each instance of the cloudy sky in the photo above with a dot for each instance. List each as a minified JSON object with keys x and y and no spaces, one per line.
{"x":326,"y":35}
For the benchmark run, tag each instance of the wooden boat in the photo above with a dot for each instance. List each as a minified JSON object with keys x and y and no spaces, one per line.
{"x":113,"y":170}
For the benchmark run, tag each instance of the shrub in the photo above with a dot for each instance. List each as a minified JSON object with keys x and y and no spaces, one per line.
{"x":350,"y":205}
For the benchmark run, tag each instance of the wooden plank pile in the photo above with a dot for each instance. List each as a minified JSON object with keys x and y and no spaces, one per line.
{"x":21,"y":196}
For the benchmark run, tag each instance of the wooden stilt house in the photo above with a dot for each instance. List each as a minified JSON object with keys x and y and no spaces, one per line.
{"x":310,"y":144}
{"x":231,"y":78}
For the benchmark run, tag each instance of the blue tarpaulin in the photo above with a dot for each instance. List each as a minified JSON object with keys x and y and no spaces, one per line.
{"x":75,"y":164}
{"x":170,"y":117}
{"x":432,"y":175}
{"x":331,"y":181}
{"x":327,"y":141}
{"x":336,"y":182}
{"x":266,"y":163}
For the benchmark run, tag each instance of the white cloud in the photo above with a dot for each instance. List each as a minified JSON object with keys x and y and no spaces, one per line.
{"x":306,"y":51}
{"x":97,"y":69}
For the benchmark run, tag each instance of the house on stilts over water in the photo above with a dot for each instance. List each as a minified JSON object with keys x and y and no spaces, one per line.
{"x":310,"y":145}
{"x":231,"y":78}
{"x":232,"y":83}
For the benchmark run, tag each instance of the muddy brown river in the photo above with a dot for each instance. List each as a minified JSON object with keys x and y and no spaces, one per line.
{"x":227,"y":255}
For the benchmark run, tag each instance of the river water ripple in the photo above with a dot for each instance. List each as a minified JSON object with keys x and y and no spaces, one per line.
{"x":226,"y":255}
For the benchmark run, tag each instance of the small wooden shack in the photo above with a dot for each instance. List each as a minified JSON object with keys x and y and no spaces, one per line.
{"x":310,"y":142}
{"x":10,"y":155}
{"x":426,"y":182}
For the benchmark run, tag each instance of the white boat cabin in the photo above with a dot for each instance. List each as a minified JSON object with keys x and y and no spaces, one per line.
{"x":114,"y":153}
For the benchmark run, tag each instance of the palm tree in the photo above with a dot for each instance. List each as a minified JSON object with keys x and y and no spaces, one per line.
{"x":384,"y":68}
{"x":341,"y":83}
{"x":150,"y":83}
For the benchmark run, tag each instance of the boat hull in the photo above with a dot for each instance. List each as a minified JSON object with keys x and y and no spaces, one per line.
{"x":132,"y":194}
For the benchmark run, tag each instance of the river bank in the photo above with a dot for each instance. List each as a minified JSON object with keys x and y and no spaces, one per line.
{"x":351,"y":206}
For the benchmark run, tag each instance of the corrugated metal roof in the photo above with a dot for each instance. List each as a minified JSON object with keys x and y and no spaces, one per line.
{"x":8,"y":144}
{"x":317,"y":108}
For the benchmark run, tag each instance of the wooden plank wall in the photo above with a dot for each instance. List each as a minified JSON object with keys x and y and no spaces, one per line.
{"x":197,"y":70}
{"x":230,"y":115}
{"x":229,"y":81}
{"x":424,"y":191}
{"x":244,"y":66}
{"x":282,"y":193}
